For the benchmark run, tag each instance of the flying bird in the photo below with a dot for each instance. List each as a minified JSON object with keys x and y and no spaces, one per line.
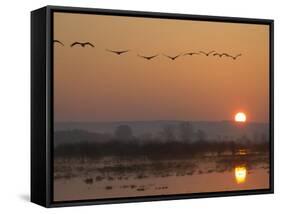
{"x":172,"y":57}
{"x":206,"y":53}
{"x":235,"y":57}
{"x":118,"y":52}
{"x":148,"y":57}
{"x":59,"y":42}
{"x":82,"y":44}
{"x":191,"y":53}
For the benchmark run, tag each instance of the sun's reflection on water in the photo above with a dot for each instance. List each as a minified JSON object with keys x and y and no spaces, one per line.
{"x":240,"y":174}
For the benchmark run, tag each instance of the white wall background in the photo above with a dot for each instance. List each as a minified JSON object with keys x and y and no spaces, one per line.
{"x":15,"y":106}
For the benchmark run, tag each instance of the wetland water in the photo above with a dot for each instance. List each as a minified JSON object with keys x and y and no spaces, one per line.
{"x":78,"y":179}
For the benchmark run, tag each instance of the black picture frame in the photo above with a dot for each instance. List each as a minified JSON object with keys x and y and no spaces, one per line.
{"x":42,"y":104}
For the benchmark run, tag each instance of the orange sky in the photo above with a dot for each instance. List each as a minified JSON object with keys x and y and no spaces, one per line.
{"x":92,"y":84}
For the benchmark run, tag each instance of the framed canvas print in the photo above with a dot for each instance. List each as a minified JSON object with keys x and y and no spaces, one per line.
{"x":137,"y":106}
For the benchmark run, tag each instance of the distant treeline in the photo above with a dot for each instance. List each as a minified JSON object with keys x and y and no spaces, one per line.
{"x":156,"y":150}
{"x":178,"y":131}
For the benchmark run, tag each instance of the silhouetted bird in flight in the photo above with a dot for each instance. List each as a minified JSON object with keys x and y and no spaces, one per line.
{"x":206,"y":53}
{"x":59,"y":42}
{"x":118,"y":52}
{"x":235,"y":57}
{"x":82,"y":44}
{"x":148,"y":57}
{"x":172,"y":57}
{"x":191,"y":53}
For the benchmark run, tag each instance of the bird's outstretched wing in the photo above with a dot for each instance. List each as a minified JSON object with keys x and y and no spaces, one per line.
{"x":203,"y":52}
{"x":151,"y":57}
{"x":177,"y":56}
{"x":59,"y":42}
{"x":75,"y":43}
{"x":225,"y":54}
{"x":89,"y":43}
{"x":124,"y":51}
{"x":110,"y":50}
{"x":142,"y":56}
{"x":118,"y":52}
{"x":191,"y":53}
{"x":148,"y":57}
{"x":170,"y":57}
{"x":166,"y":56}
{"x":237,"y":56}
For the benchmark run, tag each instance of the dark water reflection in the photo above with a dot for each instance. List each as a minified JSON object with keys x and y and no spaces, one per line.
{"x":116,"y":169}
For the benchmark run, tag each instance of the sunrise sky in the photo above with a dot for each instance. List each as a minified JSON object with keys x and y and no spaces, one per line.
{"x":91,"y":84}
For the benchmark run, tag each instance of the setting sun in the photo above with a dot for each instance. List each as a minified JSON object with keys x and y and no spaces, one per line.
{"x":240,"y":117}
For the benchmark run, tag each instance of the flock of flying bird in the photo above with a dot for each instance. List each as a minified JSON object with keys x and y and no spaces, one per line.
{"x":120,"y":52}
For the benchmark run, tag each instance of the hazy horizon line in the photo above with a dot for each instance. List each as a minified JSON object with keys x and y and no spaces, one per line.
{"x":162,"y":120}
